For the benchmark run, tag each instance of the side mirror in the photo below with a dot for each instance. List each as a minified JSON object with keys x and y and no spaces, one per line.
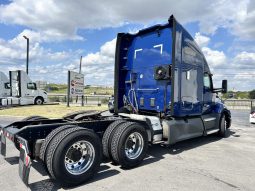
{"x":224,"y":86}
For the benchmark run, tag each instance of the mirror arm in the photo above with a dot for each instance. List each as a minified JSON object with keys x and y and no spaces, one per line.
{"x":216,"y":90}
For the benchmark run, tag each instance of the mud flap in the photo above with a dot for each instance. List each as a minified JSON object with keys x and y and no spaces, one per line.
{"x":24,"y":161}
{"x":2,"y":143}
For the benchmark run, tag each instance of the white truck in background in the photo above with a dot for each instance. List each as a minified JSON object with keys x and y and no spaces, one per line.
{"x":23,"y":91}
{"x":4,"y":85}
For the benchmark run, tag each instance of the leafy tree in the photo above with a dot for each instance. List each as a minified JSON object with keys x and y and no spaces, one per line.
{"x":252,"y":94}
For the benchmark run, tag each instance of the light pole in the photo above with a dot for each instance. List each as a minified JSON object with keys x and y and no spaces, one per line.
{"x":27,"y":51}
{"x":80,"y":64}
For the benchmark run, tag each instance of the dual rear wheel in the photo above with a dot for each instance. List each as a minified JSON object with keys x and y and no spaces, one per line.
{"x":126,"y":144}
{"x":72,"y":155}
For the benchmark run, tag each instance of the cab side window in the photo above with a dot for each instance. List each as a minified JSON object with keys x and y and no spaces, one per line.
{"x":31,"y":86}
{"x":207,"y":82}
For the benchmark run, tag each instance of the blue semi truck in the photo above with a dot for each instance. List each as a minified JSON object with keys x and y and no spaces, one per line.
{"x":163,"y":94}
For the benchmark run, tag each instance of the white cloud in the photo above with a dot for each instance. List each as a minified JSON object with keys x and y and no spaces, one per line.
{"x":239,"y":71}
{"x":60,"y":19}
{"x":243,"y":62}
{"x":52,"y":66}
{"x":99,"y":67}
{"x":214,"y":57}
{"x":245,"y":22}
{"x":246,"y":58}
{"x":43,"y":63}
{"x":201,"y":39}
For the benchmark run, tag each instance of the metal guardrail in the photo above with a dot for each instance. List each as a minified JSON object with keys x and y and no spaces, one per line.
{"x":240,"y":103}
{"x":83,"y":100}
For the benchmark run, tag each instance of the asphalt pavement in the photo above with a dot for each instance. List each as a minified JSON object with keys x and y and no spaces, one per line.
{"x":205,"y":163}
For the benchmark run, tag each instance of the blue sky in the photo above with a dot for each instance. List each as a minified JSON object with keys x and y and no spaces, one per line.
{"x":61,"y":31}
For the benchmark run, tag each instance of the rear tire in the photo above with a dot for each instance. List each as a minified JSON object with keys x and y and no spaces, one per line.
{"x":66,"y":156}
{"x":107,"y":137}
{"x":48,"y":139}
{"x":129,"y":144}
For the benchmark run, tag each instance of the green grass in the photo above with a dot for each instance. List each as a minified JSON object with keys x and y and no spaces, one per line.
{"x":98,"y":90}
{"x":62,"y":89}
{"x":50,"y":111}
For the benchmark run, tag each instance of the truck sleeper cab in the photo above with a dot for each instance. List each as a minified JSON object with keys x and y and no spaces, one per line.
{"x":163,"y":94}
{"x":4,"y":85}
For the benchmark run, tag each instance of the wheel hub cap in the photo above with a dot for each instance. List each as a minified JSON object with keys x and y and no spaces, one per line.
{"x":79,"y":157}
{"x":134,"y":145}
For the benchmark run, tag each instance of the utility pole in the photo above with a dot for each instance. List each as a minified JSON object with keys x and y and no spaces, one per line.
{"x":80,"y":64}
{"x":27,"y":51}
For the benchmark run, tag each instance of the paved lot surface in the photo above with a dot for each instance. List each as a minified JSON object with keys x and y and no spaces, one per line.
{"x":206,"y":163}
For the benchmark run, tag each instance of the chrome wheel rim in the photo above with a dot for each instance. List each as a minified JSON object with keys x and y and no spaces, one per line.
{"x":79,"y":157}
{"x":134,"y":145}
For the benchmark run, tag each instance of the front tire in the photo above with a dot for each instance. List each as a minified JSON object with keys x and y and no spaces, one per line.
{"x":129,"y":144}
{"x":223,"y":126}
{"x":74,"y":156}
{"x":39,"y":101}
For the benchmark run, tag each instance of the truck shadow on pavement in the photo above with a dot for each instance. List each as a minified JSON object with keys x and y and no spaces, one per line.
{"x":155,"y":153}
{"x":51,"y":185}
{"x":12,"y":160}
{"x":197,"y":142}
